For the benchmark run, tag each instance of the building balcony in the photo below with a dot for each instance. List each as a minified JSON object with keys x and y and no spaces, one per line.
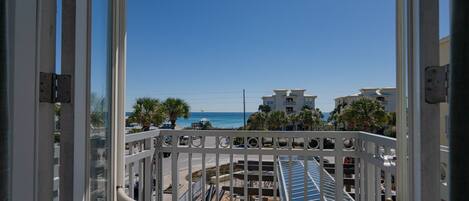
{"x":276,"y":165}
{"x":291,"y":103}
{"x":310,"y":165}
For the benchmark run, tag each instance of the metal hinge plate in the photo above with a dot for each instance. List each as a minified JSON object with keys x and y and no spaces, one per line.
{"x":436,"y":84}
{"x":54,"y":88}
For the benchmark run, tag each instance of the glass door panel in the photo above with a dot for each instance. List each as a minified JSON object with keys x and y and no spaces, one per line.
{"x":100,"y":100}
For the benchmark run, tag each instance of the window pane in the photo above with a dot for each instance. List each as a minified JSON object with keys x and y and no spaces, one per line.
{"x":100,"y":100}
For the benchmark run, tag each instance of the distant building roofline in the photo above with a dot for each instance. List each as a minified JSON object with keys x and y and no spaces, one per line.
{"x":377,"y":88}
{"x":349,"y":96}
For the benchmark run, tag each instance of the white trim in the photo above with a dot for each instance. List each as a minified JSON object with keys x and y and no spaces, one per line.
{"x":46,"y":125}
{"x":22,"y":25}
{"x":81,"y":100}
{"x":402,"y":177}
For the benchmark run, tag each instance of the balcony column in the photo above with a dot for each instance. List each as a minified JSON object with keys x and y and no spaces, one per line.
{"x":458,"y":100}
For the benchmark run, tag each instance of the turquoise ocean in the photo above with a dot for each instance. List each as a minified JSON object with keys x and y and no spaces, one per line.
{"x":219,"y":119}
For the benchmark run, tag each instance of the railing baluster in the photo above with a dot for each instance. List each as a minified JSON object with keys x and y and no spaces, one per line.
{"x":370,"y":175}
{"x":246,"y":196}
{"x":260,"y":182}
{"x":274,"y":142}
{"x":147,"y":189}
{"x":204,"y":174}
{"x":141,"y":168}
{"x":131,"y":179}
{"x":388,"y":184}
{"x":130,"y":168}
{"x":387,"y":178}
{"x":357,"y":168}
{"x":321,"y":170}
{"x":305,"y":164}
{"x":231,"y":169}
{"x":189,"y":191}
{"x":290,"y":171}
{"x":159,"y":175}
{"x":363,"y":180}
{"x":356,"y":173}
{"x":174,"y":168}
{"x":217,"y":161}
{"x":339,"y":169}
{"x":378,"y":183}
{"x":377,"y":176}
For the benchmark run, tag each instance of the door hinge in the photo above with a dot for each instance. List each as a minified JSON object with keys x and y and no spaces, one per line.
{"x":54,"y":88}
{"x":436,"y":84}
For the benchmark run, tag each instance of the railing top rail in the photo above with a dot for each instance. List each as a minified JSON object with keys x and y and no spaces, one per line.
{"x":141,"y":136}
{"x":381,"y":139}
{"x":243,"y":133}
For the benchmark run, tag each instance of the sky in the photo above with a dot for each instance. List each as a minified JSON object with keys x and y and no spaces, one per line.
{"x":207,"y":51}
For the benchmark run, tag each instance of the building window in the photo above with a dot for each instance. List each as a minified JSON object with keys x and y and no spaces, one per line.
{"x":381,"y":99}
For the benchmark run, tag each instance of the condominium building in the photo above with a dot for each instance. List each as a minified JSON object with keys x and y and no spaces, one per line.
{"x":289,"y":100}
{"x":386,"y":95}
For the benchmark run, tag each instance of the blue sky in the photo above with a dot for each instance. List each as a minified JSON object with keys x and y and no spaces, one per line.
{"x":207,"y":51}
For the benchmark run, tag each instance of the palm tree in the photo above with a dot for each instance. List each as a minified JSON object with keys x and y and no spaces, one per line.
{"x":294,"y":119}
{"x":310,"y":118}
{"x":277,"y":120}
{"x":257,"y":121}
{"x":334,"y":115}
{"x":147,"y":111}
{"x":264,"y":108}
{"x":176,"y":108}
{"x":97,"y":111}
{"x":364,"y":115}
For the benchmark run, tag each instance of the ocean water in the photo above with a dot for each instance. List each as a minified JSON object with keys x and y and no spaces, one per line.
{"x":218,"y":119}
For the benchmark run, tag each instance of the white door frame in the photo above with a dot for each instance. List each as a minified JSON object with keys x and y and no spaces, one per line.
{"x":418,"y":122}
{"x":31,"y":50}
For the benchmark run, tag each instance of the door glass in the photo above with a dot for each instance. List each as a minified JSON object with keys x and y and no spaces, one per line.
{"x":100,"y":100}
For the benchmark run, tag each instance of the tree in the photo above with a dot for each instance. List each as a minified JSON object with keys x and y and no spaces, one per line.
{"x":334,"y":115}
{"x":294,"y":119}
{"x":264,"y":108}
{"x":97,"y":111}
{"x":306,"y":107}
{"x":364,"y":115}
{"x":277,"y":120}
{"x":176,"y":108}
{"x":147,"y":111}
{"x":257,"y":121}
{"x":310,"y":118}
{"x":390,"y":129}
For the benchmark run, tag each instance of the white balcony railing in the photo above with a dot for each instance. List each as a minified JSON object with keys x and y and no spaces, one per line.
{"x":246,"y":165}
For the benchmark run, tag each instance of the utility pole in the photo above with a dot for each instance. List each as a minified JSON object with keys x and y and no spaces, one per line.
{"x":244,"y":109}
